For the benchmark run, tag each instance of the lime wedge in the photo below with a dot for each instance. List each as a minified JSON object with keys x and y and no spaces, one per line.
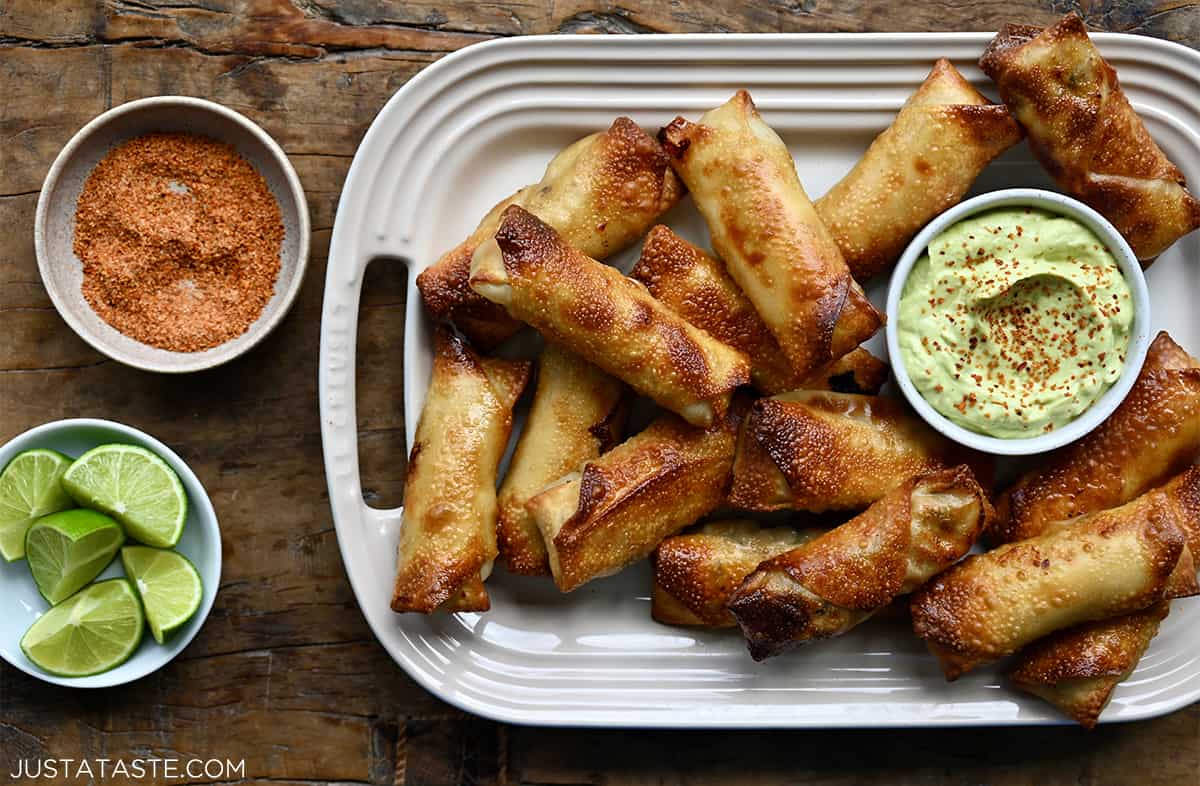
{"x":92,"y":631}
{"x":168,"y":584}
{"x":29,"y":489}
{"x":135,"y":487}
{"x":67,"y":550}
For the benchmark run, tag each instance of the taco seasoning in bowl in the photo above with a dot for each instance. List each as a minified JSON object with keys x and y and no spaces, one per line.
{"x":172,"y":234}
{"x":179,"y":238}
{"x":1016,"y":319}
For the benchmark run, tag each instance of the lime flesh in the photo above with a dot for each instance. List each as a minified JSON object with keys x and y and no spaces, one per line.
{"x":30,"y":488}
{"x":168,"y":584}
{"x":67,"y":550}
{"x":91,"y":632}
{"x":135,"y":487}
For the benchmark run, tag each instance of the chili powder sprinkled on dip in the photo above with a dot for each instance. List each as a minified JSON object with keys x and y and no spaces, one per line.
{"x":180,"y":241}
{"x":1015,"y":321}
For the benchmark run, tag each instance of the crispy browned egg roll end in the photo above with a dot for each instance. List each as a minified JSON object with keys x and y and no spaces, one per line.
{"x":608,"y":319}
{"x":695,"y":573}
{"x":1078,"y":669}
{"x":834,"y":582}
{"x":600,"y":193}
{"x":922,"y":164}
{"x":1083,"y":129}
{"x":743,"y":180}
{"x":624,"y":503}
{"x":578,"y":413}
{"x":448,"y":534}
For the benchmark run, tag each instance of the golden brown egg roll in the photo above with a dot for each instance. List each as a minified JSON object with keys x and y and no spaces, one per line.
{"x":600,"y":194}
{"x":922,"y":164}
{"x":695,"y":573}
{"x":620,"y":506}
{"x":606,"y":318}
{"x":817,"y":451}
{"x":1077,"y":669}
{"x":767,"y":232}
{"x":448,"y":534}
{"x":1153,"y":435}
{"x":696,"y":286}
{"x":836,"y":581}
{"x":1085,"y":133}
{"x":1091,"y":568}
{"x":578,"y":412}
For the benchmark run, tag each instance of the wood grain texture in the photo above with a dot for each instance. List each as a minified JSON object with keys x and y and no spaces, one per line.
{"x":285,"y":674}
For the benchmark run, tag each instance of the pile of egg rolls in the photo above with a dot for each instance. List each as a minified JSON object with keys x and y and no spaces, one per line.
{"x":765,"y":399}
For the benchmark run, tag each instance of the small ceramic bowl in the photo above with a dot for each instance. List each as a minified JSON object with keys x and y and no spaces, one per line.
{"x":54,"y":227}
{"x":20,"y":602}
{"x":1139,"y":340}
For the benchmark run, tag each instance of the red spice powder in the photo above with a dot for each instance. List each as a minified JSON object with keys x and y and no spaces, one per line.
{"x":179,"y":238}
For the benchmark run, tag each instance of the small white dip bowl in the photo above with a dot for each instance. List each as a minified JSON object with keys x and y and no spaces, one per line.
{"x":1139,"y":340}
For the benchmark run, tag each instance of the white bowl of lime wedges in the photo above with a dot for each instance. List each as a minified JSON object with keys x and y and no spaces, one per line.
{"x":110,"y":553}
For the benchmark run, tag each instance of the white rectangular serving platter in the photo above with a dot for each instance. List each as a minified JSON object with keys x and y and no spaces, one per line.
{"x":480,"y":123}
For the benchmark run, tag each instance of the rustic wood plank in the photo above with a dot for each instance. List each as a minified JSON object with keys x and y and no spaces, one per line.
{"x":286,"y":673}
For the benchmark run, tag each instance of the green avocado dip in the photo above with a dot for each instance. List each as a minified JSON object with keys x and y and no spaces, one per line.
{"x":1014,"y":322}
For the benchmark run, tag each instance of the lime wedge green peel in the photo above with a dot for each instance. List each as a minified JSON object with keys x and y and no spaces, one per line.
{"x":29,"y":489}
{"x":67,"y":550}
{"x":135,"y":487}
{"x":93,"y":631}
{"x":168,"y":584}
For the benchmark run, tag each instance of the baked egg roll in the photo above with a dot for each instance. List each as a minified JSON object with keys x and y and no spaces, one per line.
{"x":448,"y":533}
{"x":1151,"y":436}
{"x":1093,"y":567}
{"x":696,"y":572}
{"x":696,"y":286}
{"x":606,"y":318}
{"x":1077,"y":669}
{"x":578,"y":412}
{"x":921,"y":165}
{"x":1085,"y":133}
{"x":817,"y":451}
{"x":600,"y":193}
{"x":836,"y":581}
{"x":768,"y":234}
{"x":620,"y":506}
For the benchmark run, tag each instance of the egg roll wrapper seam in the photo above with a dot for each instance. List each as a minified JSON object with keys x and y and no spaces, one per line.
{"x":623,"y":504}
{"x":608,"y":319}
{"x":817,"y":451}
{"x":768,"y":234}
{"x":836,"y":581}
{"x":1151,"y":436}
{"x":946,"y":133}
{"x":601,"y":193}
{"x":578,"y":413}
{"x":448,"y":532}
{"x":696,"y":286}
{"x":695,"y":573}
{"x":1094,"y":567}
{"x":1084,"y":131}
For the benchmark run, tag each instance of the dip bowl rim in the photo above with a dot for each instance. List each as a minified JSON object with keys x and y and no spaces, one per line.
{"x":1139,"y":340}
{"x":157,"y":359}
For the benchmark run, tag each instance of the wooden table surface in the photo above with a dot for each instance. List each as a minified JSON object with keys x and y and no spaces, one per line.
{"x":285,"y":674}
